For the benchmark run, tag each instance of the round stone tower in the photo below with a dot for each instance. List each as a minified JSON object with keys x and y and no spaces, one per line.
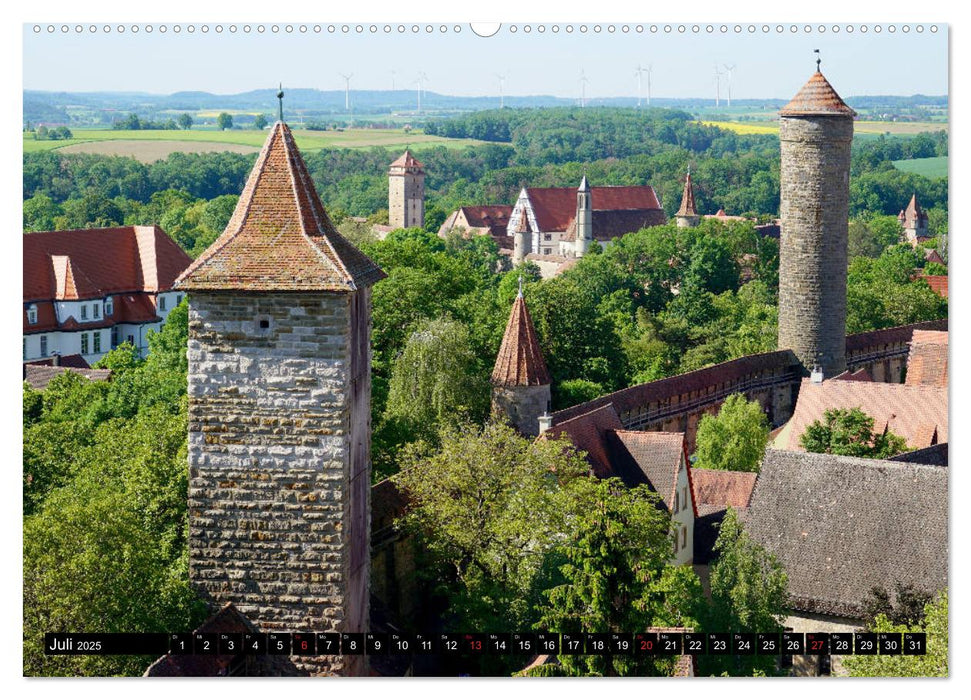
{"x":815,"y":134}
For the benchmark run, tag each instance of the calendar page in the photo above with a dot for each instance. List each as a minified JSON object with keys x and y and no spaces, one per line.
{"x":440,"y":349}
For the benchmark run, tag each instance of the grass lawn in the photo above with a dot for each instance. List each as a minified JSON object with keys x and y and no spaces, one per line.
{"x":306,"y":140}
{"x":928,"y":167}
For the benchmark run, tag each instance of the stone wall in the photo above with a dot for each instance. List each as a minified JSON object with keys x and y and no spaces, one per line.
{"x":521,"y":406}
{"x":278,"y":451}
{"x":406,"y":199}
{"x":814,"y":209}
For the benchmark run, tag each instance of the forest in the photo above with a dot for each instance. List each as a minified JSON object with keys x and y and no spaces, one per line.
{"x":105,"y":520}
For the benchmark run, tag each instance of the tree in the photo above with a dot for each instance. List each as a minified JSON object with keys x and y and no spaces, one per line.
{"x":490,"y":507}
{"x":748,"y":594}
{"x":224,"y":121}
{"x":735,"y":439}
{"x":259,"y":121}
{"x":436,"y":379}
{"x":40,"y":212}
{"x":934,"y":268}
{"x":933,"y":663}
{"x":850,"y":432}
{"x":909,"y":608}
{"x":185,"y":121}
{"x":617,"y":577}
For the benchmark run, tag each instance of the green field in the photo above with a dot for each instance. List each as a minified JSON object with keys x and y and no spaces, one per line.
{"x":860,"y":127}
{"x":306,"y":140}
{"x":928,"y":167}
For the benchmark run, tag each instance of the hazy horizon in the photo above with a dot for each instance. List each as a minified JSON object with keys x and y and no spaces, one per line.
{"x":466,"y":65}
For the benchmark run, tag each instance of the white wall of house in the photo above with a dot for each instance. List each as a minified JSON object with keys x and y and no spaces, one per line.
{"x":683,"y":519}
{"x":75,"y":342}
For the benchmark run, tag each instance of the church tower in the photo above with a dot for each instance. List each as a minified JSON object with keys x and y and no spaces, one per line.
{"x":520,"y":380}
{"x":406,"y":193}
{"x":815,"y":132}
{"x":279,"y":411}
{"x":687,"y":217}
{"x":584,"y":234}
{"x":914,"y":221}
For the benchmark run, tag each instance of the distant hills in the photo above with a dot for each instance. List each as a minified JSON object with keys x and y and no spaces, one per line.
{"x":103,"y":107}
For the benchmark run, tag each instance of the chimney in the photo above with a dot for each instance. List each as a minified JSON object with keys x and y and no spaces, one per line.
{"x":816,"y":376}
{"x":545,"y":422}
{"x":55,"y":359}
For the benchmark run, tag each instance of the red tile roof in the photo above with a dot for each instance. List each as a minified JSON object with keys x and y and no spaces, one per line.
{"x":75,"y":360}
{"x":406,"y":160}
{"x":39,"y":376}
{"x":905,"y":410}
{"x":687,"y":199}
{"x":937,"y":282}
{"x":861,"y":375}
{"x":556,"y":207}
{"x":817,"y":97}
{"x":589,"y":432}
{"x":656,"y":455}
{"x":927,"y":362}
{"x":520,"y":361}
{"x":608,"y":225}
{"x":931,"y":255}
{"x":280,"y":237}
{"x":713,"y":487}
{"x":93,"y":263}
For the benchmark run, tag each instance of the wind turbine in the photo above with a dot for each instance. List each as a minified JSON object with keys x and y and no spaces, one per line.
{"x":347,"y":90}
{"x":718,"y":86}
{"x":731,"y":74}
{"x":502,"y":81}
{"x":650,"y":68}
{"x":638,"y":72}
{"x":583,"y":89}
{"x":421,"y":86}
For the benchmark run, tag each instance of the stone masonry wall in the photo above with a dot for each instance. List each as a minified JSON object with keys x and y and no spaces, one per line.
{"x":406,"y":200}
{"x":814,"y":211}
{"x":522,"y":406}
{"x":271,"y":439}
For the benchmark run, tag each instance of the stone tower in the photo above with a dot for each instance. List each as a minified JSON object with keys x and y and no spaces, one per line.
{"x":520,"y":380}
{"x":279,"y":394}
{"x":406,"y":193}
{"x":914,"y":221}
{"x":815,"y":131}
{"x":687,"y":217}
{"x":584,"y":237}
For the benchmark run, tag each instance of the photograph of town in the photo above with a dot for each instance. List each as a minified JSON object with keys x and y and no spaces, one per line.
{"x":440,"y":350}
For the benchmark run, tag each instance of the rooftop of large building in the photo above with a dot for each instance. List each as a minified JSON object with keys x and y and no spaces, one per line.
{"x":280,"y":237}
{"x":842,"y":525}
{"x":927,"y":362}
{"x":94,"y":263}
{"x":555,"y":208}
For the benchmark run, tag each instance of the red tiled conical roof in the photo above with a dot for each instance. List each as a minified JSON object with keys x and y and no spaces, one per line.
{"x":687,"y":199}
{"x":406,"y":160}
{"x":520,"y":361}
{"x":817,"y":97}
{"x":280,"y":237}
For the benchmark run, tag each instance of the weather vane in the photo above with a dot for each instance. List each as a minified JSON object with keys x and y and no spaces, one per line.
{"x":279,"y":96}
{"x":818,"y":59}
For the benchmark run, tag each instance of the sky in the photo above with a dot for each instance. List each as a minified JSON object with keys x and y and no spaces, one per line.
{"x":769,"y":64}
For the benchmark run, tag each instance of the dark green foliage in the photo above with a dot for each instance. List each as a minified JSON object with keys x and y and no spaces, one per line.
{"x":105,"y":497}
{"x":748,"y":594}
{"x":616,"y":577}
{"x":909,"y":608}
{"x":850,"y":432}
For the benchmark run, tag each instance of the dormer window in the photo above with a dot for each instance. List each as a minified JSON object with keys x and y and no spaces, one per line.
{"x":32,"y":314}
{"x":161,"y":303}
{"x":109,"y":307}
{"x":84,"y":312}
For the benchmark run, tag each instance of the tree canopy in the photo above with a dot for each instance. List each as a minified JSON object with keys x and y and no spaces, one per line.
{"x":735,"y":439}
